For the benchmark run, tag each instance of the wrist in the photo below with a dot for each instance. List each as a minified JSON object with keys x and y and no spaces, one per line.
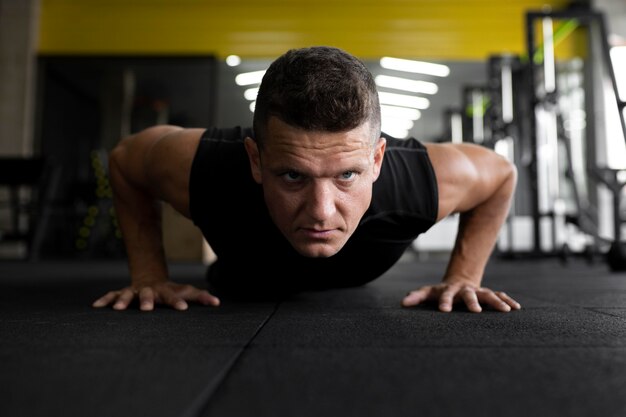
{"x":461,"y":280}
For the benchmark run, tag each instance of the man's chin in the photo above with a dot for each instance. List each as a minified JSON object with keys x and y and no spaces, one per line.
{"x":318,"y":250}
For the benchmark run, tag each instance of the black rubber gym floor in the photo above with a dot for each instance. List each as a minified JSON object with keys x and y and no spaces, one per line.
{"x":349,"y":352}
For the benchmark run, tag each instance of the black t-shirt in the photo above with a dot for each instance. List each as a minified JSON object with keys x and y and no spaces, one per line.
{"x":254,"y":257}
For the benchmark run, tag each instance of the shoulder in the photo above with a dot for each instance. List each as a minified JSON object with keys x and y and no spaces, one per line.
{"x":171,"y":145}
{"x":465,"y":161}
{"x":158,"y":160}
{"x":454,"y":161}
{"x":171,"y":152}
{"x":143,"y":155}
{"x":467,"y":174}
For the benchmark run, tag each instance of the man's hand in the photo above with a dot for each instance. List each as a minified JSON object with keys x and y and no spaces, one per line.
{"x":167,"y":293}
{"x":447,"y":294}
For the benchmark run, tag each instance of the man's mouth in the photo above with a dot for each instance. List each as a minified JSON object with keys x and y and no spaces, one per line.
{"x":318,"y":234}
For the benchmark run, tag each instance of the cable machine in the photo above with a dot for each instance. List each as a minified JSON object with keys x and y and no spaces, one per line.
{"x":552,"y":130}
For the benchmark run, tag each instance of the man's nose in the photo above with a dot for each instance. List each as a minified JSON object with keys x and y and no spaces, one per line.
{"x":321,"y":204}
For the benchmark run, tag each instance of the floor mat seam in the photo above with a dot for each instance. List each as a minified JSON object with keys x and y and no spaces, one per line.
{"x":204,"y":399}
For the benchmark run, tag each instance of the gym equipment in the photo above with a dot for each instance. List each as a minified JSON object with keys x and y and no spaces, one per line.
{"x":98,"y":234}
{"x":552,"y":142}
{"x":533,"y":112}
{"x":452,"y":125}
{"x":30,"y":183}
{"x":475,"y":101}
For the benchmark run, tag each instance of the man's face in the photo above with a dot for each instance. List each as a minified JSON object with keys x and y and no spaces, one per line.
{"x":317,"y":185}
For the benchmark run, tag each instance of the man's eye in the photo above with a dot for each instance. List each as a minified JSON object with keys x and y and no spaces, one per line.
{"x":292,"y":176}
{"x":348,"y":175}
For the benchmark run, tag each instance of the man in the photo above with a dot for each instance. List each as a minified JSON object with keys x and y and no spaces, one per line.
{"x":313,"y":197}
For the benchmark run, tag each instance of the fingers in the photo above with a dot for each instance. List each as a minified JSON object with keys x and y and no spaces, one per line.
{"x":106,"y":299}
{"x":444,"y":293}
{"x":178,"y":295}
{"x":511,"y":302}
{"x":168,"y":293}
{"x":470,"y":298}
{"x":170,"y":298}
{"x":146,"y":299}
{"x":490,"y":298}
{"x":415,"y":297}
{"x":473,"y":298}
{"x":124,"y":298}
{"x":191,"y":293}
{"x":120,"y":299}
{"x":205,"y":298}
{"x":447,"y":299}
{"x":498,"y":300}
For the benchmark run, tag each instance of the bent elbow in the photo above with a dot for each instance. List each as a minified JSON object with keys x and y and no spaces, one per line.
{"x":511,"y":175}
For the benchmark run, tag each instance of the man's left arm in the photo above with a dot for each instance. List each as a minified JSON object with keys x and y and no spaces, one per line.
{"x":479,"y":184}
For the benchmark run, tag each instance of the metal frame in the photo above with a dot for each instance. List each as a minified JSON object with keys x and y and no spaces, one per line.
{"x":588,"y":18}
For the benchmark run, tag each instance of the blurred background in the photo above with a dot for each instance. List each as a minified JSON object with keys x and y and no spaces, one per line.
{"x":541,"y":82}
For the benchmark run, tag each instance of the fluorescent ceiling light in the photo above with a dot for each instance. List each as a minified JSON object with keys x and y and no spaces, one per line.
{"x":252,"y":106}
{"x":618,"y":59}
{"x":251,"y":93}
{"x":406,"y":84}
{"x":233,"y":60}
{"x":395,"y":132}
{"x":418,"y":67}
{"x":403,"y":100}
{"x":399,"y":112}
{"x":249,"y":78}
{"x":405,"y":124}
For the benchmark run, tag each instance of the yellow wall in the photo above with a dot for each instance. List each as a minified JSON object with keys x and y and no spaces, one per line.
{"x":436,"y":29}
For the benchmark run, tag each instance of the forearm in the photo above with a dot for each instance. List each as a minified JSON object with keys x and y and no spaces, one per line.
{"x":478,"y":233}
{"x":139,"y":217}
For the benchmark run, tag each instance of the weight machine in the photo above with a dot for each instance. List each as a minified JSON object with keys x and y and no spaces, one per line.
{"x":564,"y":167}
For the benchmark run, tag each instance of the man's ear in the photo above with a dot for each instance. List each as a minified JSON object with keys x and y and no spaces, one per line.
{"x":379,"y":155}
{"x":255,"y":159}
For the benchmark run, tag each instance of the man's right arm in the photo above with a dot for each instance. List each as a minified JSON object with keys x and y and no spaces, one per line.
{"x":145,"y":169}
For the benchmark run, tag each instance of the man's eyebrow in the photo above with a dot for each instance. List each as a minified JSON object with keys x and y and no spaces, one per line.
{"x":283,"y":167}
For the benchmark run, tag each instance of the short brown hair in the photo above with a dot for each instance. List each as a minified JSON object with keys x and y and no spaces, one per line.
{"x":317,"y":88}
